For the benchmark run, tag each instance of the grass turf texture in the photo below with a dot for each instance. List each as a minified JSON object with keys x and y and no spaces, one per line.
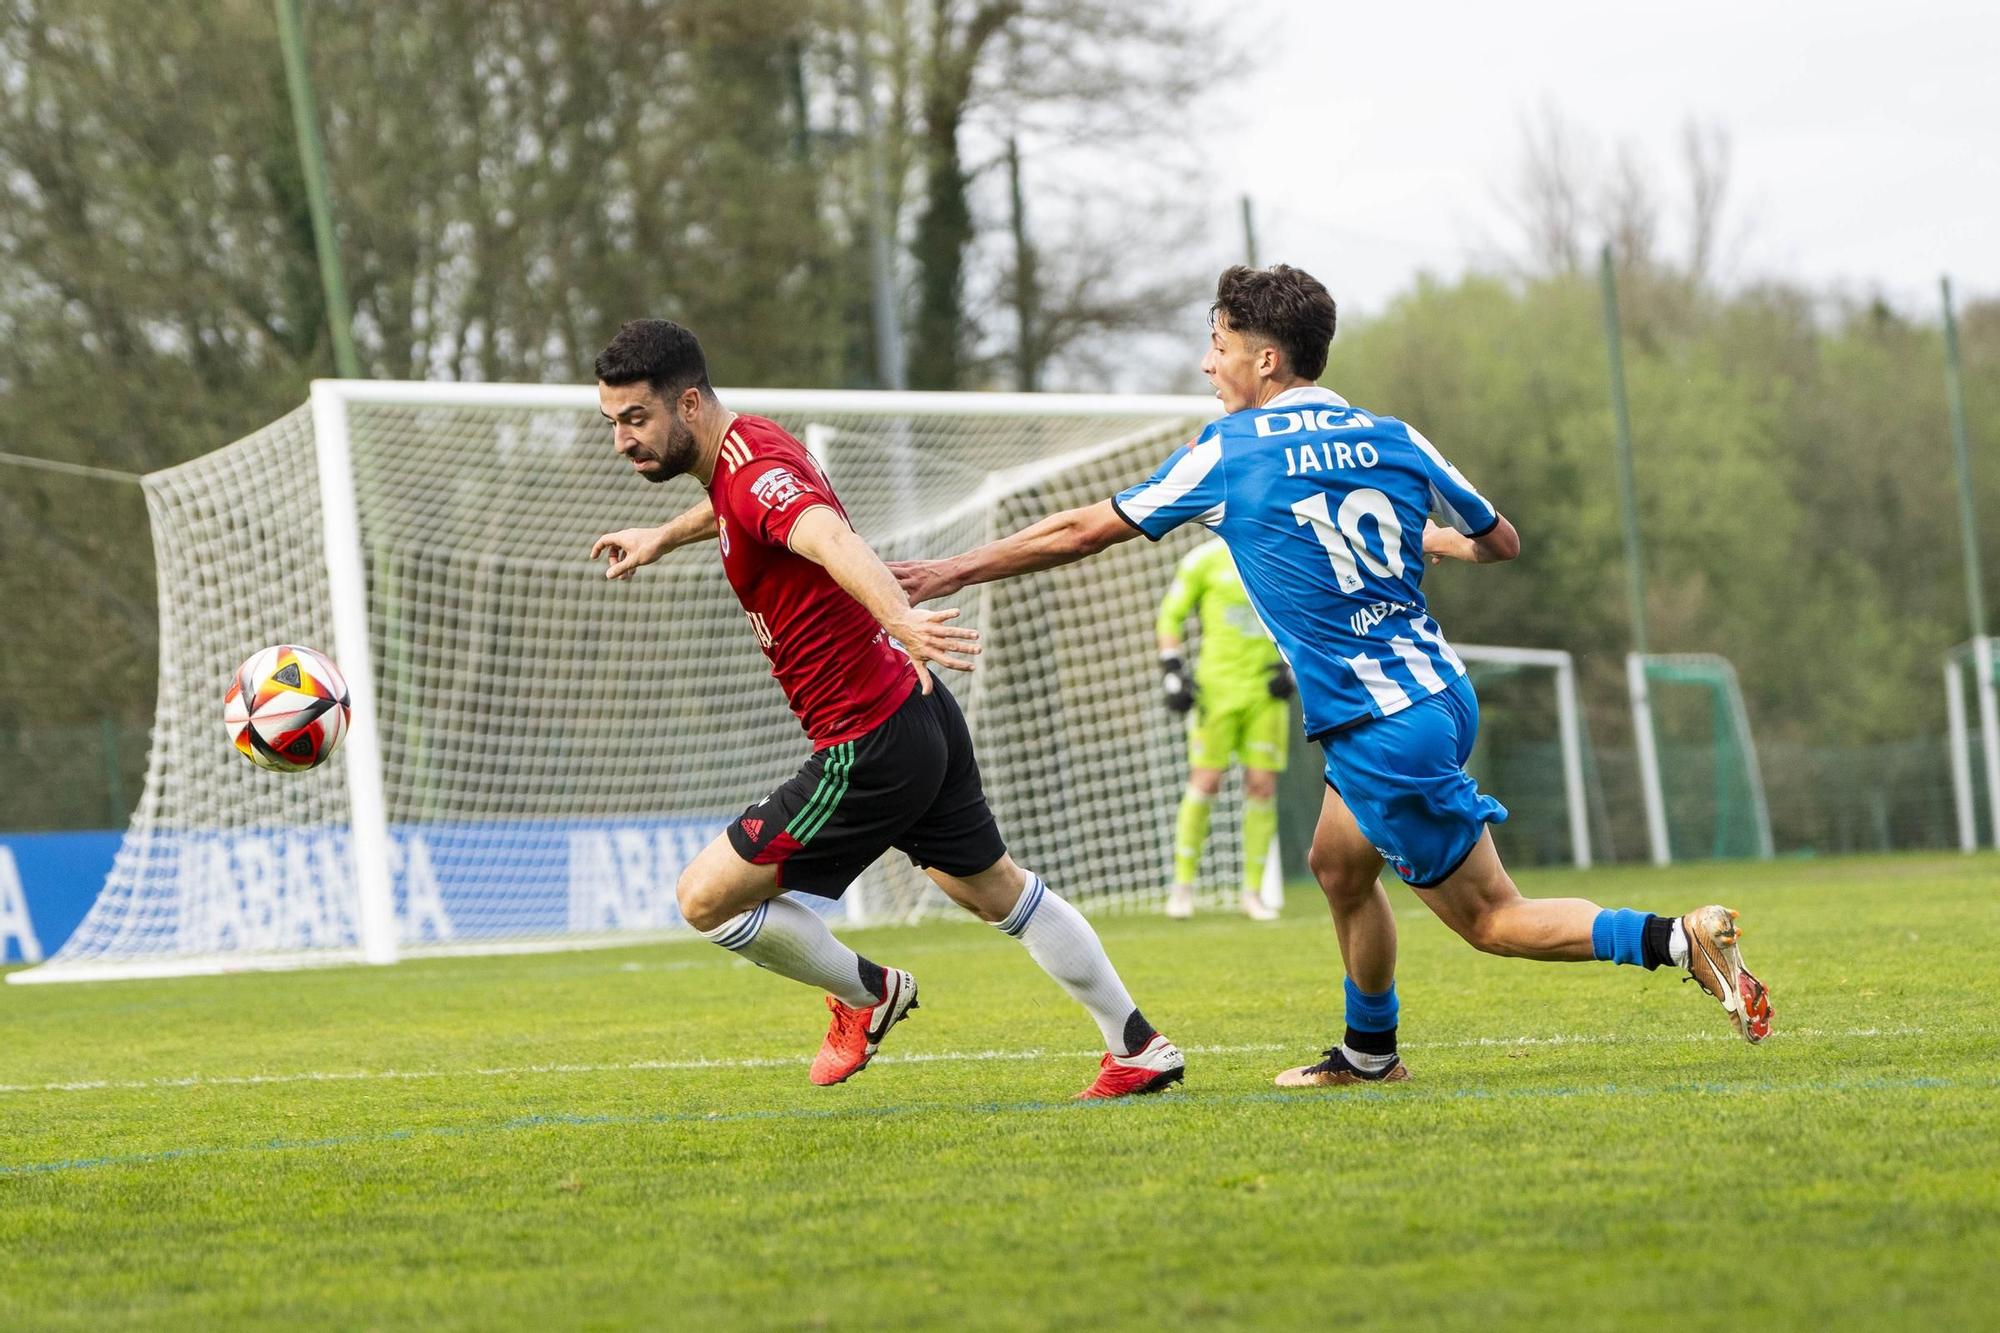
{"x":1581,"y":1145}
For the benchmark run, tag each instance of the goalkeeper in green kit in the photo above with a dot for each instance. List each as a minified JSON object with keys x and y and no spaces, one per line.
{"x":1238,"y":706}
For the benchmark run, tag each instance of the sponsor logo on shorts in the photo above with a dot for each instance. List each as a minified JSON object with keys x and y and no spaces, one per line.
{"x":753,"y":827}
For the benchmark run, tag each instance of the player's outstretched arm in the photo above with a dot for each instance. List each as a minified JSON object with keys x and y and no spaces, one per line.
{"x":1497,"y":543}
{"x":1057,"y":540}
{"x":823,"y":537}
{"x":631,"y":549}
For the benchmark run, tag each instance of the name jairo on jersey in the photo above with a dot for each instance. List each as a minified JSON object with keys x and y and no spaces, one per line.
{"x":1323,"y":508}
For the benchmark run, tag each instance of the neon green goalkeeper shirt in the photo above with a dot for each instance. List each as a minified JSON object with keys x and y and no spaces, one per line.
{"x":1237,"y":654}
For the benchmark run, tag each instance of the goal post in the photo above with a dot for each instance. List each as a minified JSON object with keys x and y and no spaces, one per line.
{"x":1979,"y":657}
{"x":347,"y":607}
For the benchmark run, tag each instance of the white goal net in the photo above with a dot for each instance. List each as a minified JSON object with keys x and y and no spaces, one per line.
{"x":537,"y":752}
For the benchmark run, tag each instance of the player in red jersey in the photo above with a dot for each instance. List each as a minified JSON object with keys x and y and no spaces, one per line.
{"x":892,"y":762}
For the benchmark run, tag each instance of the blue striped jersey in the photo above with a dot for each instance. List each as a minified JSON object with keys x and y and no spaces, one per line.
{"x":1323,"y":506}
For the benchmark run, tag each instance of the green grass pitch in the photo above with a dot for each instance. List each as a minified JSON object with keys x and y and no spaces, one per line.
{"x":627,"y":1138}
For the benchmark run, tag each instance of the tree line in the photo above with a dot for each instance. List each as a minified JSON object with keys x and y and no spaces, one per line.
{"x":513,"y":179}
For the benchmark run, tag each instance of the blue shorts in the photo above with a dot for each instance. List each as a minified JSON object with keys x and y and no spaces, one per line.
{"x":1404,"y":778}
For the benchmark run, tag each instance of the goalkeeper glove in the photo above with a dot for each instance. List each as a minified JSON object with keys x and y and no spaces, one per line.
{"x":1281,"y":683}
{"x":1176,"y":682}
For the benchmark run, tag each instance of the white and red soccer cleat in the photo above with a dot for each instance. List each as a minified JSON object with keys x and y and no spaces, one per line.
{"x":855,"y":1034}
{"x":1156,"y":1065}
{"x":1716,"y":964}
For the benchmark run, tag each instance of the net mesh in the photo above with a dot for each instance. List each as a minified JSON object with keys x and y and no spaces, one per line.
{"x":1710,"y":782}
{"x":220,"y":857}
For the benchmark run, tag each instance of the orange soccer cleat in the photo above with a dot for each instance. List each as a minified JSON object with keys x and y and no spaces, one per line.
{"x":855,"y":1034}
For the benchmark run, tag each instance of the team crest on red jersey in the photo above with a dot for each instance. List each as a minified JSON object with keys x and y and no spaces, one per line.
{"x":777,"y":488}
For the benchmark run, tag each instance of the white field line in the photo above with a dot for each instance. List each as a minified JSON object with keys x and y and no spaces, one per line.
{"x":915,"y":1058}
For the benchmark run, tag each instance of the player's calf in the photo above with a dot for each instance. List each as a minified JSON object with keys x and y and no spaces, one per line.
{"x":1057,"y":937}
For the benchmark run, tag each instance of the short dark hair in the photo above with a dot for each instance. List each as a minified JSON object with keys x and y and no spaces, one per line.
{"x":1285,"y":306}
{"x":660,"y":352}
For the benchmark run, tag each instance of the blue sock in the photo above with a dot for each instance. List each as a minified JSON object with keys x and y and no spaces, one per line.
{"x":1618,"y":936}
{"x":1371,"y":1019}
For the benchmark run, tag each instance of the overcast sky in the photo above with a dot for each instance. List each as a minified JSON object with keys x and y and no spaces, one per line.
{"x":1377,"y":139}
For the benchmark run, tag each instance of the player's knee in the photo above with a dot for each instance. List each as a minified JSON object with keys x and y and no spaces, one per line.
{"x":700,"y":901}
{"x":1259,"y":785}
{"x":1341,"y":879}
{"x":991,"y":894}
{"x":1205,"y":781}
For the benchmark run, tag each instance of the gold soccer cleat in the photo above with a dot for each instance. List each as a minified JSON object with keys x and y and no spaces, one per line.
{"x":1714,"y":962}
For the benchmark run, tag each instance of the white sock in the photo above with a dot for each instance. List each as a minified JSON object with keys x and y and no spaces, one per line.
{"x":790,"y":939}
{"x":1067,"y":948}
{"x":1677,"y":944}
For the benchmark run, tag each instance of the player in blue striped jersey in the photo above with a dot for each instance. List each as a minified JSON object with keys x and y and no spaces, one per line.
{"x":1331,"y":514}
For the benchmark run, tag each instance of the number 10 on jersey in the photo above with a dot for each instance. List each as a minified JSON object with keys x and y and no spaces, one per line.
{"x":1343,"y":540}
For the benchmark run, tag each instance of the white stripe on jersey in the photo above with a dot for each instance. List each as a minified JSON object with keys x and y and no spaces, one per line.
{"x":1443,"y":510}
{"x":1428,"y":630}
{"x":1419,"y":664}
{"x":1388,"y":695}
{"x":1185,"y":475}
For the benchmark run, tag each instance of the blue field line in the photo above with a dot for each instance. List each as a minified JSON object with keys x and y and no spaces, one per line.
{"x":1317,"y":1101}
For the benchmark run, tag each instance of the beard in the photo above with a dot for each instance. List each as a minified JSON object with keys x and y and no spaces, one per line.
{"x":676,"y":456}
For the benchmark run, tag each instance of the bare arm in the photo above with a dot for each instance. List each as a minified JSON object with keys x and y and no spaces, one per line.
{"x":631,"y":549}
{"x":823,"y":537}
{"x":1497,"y":543}
{"x":1058,"y":539}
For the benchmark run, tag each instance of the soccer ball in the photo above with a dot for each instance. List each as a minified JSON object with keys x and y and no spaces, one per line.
{"x":286,"y":708}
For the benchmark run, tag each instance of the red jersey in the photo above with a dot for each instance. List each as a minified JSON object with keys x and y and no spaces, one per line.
{"x":839,"y":671}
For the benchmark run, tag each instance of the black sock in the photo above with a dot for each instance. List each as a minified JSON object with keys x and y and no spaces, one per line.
{"x":874,"y":977}
{"x":1137,"y":1033}
{"x":1653,"y":940}
{"x":1371,"y":1043}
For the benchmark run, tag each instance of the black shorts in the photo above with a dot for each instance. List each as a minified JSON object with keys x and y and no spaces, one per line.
{"x":912,"y":784}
